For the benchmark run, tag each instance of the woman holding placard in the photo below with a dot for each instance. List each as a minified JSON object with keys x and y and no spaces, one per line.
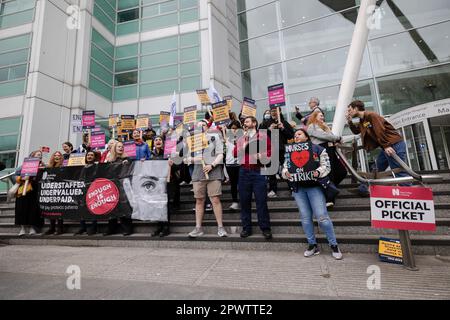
{"x":305,"y":164}
{"x":56,"y":161}
{"x":27,"y":212}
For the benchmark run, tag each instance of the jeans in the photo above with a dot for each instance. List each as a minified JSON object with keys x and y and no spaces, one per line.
{"x":233,"y":173}
{"x":311,"y":200}
{"x":273,"y":183}
{"x":252,"y":182}
{"x":384,"y":161}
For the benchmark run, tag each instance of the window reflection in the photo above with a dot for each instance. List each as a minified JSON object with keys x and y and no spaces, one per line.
{"x":255,"y":82}
{"x":260,"y":51}
{"x":256,"y":22}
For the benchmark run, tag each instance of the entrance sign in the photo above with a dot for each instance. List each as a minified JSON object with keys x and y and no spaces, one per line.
{"x":402,"y":208}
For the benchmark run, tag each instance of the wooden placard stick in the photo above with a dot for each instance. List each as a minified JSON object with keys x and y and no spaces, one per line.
{"x":24,"y":193}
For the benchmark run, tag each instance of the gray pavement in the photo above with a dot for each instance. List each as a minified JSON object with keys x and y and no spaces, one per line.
{"x":39,"y":272}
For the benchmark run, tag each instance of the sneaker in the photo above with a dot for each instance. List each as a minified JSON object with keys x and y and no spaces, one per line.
{"x":330,"y":204}
{"x":183,"y":183}
{"x":221,"y":232}
{"x":336,"y":253}
{"x":22,"y":231}
{"x":312,"y":251}
{"x":234,"y":206}
{"x":32,"y":231}
{"x":209,"y":207}
{"x":272,"y":194}
{"x":197,"y":232}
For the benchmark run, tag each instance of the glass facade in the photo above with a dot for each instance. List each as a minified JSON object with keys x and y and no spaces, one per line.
{"x":14,"y":58}
{"x":9,"y":140}
{"x":16,"y":12}
{"x":101,"y":71}
{"x":304,"y":44}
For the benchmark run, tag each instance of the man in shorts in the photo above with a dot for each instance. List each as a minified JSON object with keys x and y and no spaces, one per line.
{"x":207,"y":180}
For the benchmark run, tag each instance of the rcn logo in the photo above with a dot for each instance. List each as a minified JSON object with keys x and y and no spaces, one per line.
{"x":395,"y":192}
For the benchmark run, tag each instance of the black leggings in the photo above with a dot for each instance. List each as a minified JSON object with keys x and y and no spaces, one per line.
{"x":233,"y":173}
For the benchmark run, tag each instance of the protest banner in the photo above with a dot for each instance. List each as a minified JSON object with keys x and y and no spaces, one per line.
{"x":76,"y":159}
{"x":98,"y":139}
{"x":276,"y":96}
{"x":97,"y":192}
{"x":248,"y":108}
{"x":76,"y":123}
{"x":402,"y":208}
{"x":164,"y":119}
{"x":170,"y":147}
{"x":301,"y":161}
{"x":113,"y":120}
{"x":88,"y":119}
{"x":203,"y":97}
{"x":390,"y":250}
{"x":129,"y":148}
{"x":30,"y":167}
{"x":220,"y":113}
{"x":197,"y":142}
{"x":229,"y":100}
{"x":45,"y":149}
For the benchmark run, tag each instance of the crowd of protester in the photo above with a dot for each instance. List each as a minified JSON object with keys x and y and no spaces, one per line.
{"x":233,"y":161}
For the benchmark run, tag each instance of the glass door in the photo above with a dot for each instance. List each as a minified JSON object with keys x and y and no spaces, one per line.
{"x":417,"y":147}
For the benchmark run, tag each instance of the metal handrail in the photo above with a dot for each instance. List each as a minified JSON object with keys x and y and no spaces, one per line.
{"x":8,"y":175}
{"x":390,"y":181}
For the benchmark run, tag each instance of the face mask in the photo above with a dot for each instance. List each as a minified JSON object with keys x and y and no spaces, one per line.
{"x":356,"y":120}
{"x":267,"y":117}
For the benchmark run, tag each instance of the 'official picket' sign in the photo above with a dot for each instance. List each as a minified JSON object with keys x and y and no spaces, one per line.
{"x":402,"y":208}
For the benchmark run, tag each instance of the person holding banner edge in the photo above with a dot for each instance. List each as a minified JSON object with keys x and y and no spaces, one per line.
{"x":56,"y":161}
{"x":309,"y":195}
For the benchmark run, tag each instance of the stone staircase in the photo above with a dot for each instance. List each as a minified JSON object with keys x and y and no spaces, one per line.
{"x":350,"y":216}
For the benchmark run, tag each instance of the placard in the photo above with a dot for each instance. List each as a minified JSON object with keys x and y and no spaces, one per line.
{"x":197,"y":142}
{"x":45,"y":149}
{"x":97,"y":128}
{"x":170,"y":147}
{"x":402,"y":208}
{"x":203,"y":97}
{"x":98,"y":139}
{"x":229,"y":100}
{"x":390,"y":250}
{"x":113,"y":120}
{"x":76,"y":159}
{"x":190,"y":115}
{"x":30,"y":167}
{"x":127,"y":123}
{"x":276,"y":96}
{"x":301,"y":161}
{"x":129,"y":148}
{"x":248,"y":108}
{"x":220,"y":113}
{"x":76,"y":123}
{"x":88,"y":119}
{"x":142,"y":122}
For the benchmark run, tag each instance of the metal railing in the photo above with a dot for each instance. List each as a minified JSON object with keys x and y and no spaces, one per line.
{"x":405,"y":241}
{"x":8,"y":180}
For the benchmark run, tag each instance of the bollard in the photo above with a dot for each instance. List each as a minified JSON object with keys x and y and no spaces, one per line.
{"x":408,"y":256}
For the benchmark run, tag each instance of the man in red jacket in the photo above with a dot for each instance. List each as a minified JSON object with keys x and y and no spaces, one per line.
{"x":251,"y":181}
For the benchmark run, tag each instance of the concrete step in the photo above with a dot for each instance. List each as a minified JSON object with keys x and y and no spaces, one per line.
{"x":285,"y":226}
{"x":421,"y":244}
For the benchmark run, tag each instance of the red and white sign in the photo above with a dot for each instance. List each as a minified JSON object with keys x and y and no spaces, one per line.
{"x":129,"y":148}
{"x":45,"y":149}
{"x":102,"y":197}
{"x":30,"y":167}
{"x":98,"y":139}
{"x":402,"y":208}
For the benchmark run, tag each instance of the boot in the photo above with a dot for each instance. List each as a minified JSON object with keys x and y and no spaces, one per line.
{"x":52,"y":228}
{"x":59,"y":228}
{"x":165,"y":231}
{"x":157,"y":231}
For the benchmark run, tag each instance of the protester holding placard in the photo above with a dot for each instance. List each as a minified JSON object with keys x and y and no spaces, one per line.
{"x":142,"y":150}
{"x":27,"y":212}
{"x":207,"y":180}
{"x":305,"y":163}
{"x":56,"y":161}
{"x":91,"y":158}
{"x":117,"y":154}
{"x":251,"y":181}
{"x":173,"y":188}
{"x":232,"y":162}
{"x":85,"y":145}
{"x":285,"y":133}
{"x":321,"y":135}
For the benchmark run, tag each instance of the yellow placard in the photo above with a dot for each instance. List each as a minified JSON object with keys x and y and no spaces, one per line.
{"x":142,"y":123}
{"x":128,"y":123}
{"x":203,"y":97}
{"x":76,"y":160}
{"x":220,"y":113}
{"x":390,"y":249}
{"x":113,"y":120}
{"x":164,"y":117}
{"x":248,"y":111}
{"x":190,"y":115}
{"x":229,"y":100}
{"x":197,"y":142}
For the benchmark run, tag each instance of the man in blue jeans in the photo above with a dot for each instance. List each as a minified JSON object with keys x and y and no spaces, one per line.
{"x":251,"y":181}
{"x":377,"y":132}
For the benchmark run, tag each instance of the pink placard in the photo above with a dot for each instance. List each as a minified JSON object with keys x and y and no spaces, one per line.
{"x":170,"y":147}
{"x":276,"y":96}
{"x":129,"y":148}
{"x":88,"y":119}
{"x":97,"y":140}
{"x":30,"y":167}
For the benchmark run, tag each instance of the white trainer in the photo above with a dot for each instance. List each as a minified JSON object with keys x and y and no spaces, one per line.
{"x":234,"y":206}
{"x":221,"y":232}
{"x":22,"y":231}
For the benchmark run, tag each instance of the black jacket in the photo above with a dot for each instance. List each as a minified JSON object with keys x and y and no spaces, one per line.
{"x":285,"y":134}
